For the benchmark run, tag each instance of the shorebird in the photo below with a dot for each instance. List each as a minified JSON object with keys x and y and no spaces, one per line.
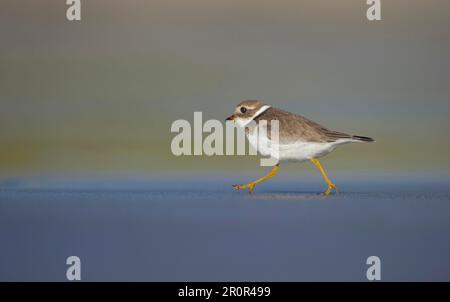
{"x":299,"y":139}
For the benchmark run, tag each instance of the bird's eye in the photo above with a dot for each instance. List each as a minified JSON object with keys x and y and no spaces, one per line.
{"x":243,"y":109}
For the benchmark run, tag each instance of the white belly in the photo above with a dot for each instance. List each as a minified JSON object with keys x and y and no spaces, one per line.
{"x":302,"y":151}
{"x":297,"y":152}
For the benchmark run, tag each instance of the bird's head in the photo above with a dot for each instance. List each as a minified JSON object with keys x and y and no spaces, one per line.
{"x":246,"y":111}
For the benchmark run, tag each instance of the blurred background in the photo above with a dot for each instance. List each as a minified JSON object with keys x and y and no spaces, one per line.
{"x":97,"y":97}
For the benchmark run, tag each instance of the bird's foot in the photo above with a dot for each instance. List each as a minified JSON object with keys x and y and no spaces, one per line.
{"x":250,"y":187}
{"x":331,"y":186}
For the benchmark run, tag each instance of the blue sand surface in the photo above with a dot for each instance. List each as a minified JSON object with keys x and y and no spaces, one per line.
{"x":189,"y":231}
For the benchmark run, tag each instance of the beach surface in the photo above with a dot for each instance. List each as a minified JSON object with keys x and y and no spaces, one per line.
{"x":193,"y":230}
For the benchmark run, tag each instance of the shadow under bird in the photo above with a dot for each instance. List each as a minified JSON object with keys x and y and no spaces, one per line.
{"x":299,"y":139}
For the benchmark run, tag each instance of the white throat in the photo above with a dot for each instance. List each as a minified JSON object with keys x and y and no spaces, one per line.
{"x":243,"y":122}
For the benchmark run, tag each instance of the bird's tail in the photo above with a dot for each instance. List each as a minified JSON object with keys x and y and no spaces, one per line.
{"x":362,"y":139}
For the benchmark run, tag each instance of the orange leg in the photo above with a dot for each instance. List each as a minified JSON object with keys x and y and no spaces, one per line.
{"x":251,"y":186}
{"x":330,"y":184}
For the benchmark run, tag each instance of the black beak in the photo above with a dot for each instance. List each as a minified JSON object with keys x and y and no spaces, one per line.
{"x":230,"y":118}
